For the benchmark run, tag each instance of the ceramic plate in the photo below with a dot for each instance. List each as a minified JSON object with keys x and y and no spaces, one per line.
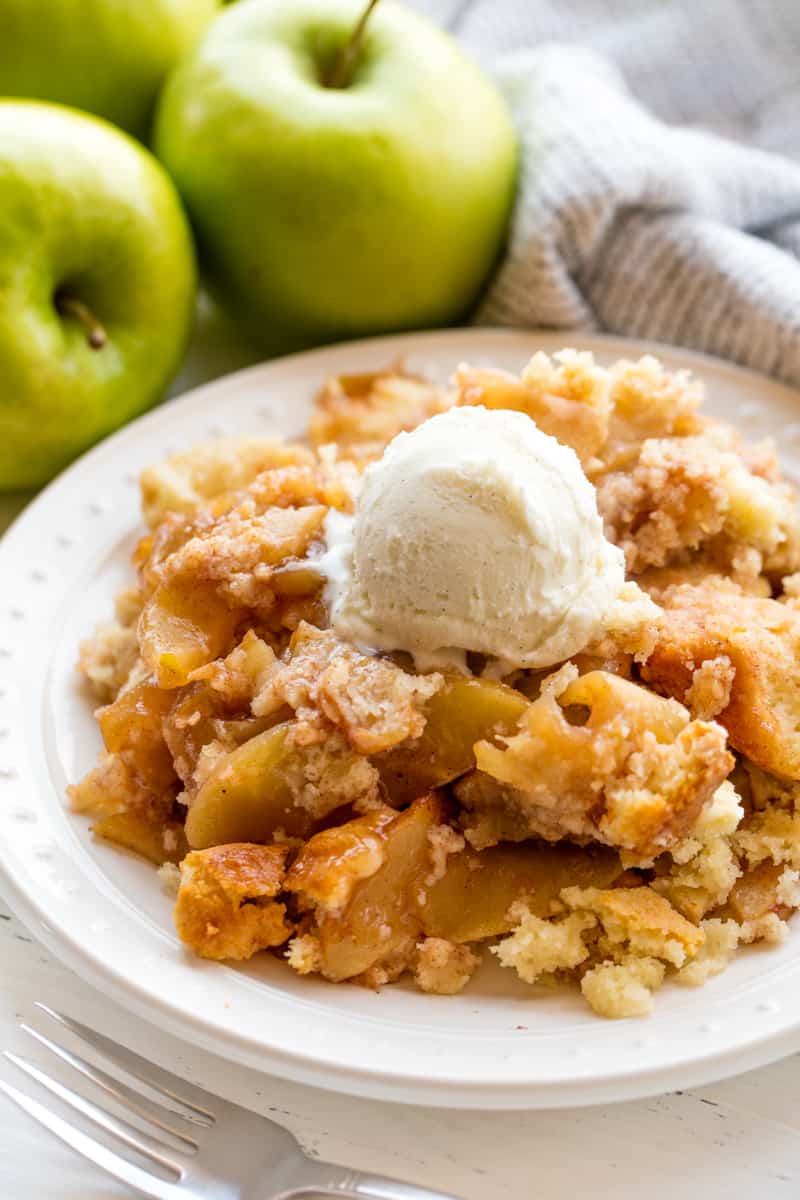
{"x":499,"y":1044}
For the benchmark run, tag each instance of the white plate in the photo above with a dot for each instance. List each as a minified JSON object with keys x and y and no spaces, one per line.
{"x":500,"y":1044}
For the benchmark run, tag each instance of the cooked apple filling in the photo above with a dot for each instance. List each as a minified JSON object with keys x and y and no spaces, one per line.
{"x":626,"y":817}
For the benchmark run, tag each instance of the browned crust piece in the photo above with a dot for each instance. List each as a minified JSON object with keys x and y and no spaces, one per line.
{"x":609,"y":761}
{"x":362,"y":413}
{"x":760,"y":638}
{"x":226,"y":906}
{"x":374,"y":702}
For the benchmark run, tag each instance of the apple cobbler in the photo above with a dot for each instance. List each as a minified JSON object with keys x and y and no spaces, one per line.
{"x":627,"y":816}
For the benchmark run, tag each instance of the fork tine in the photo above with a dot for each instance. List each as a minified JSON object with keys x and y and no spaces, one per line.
{"x":114,"y":1087}
{"x":141,"y":1142}
{"x":161,"y":1081}
{"x":96,"y":1152}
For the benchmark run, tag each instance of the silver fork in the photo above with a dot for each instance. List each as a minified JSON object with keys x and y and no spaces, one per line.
{"x":190,"y":1145}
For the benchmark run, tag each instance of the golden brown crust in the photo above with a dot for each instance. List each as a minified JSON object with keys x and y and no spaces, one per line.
{"x":684,"y":495}
{"x":183,"y":482}
{"x":567,"y":396}
{"x":619,"y":942}
{"x":639,"y":919}
{"x":226,"y":906}
{"x":672,"y":501}
{"x":608,"y":761}
{"x":136,"y":772}
{"x":362,"y":413}
{"x":760,"y":638}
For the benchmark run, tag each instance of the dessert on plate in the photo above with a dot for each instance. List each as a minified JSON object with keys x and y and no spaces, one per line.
{"x":504,"y":667}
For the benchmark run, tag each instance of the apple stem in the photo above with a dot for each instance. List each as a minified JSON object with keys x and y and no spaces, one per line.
{"x":342,"y":70}
{"x":71,"y":306}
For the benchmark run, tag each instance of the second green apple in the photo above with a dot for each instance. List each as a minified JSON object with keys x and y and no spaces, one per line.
{"x":108,"y":57}
{"x":326,"y":212}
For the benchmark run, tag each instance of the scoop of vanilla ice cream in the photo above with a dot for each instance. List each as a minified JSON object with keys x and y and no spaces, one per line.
{"x":474,"y":532}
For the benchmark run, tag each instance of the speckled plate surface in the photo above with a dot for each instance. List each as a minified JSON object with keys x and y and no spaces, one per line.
{"x":500,"y":1044}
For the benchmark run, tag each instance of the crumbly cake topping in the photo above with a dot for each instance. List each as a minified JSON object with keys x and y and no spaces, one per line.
{"x":444,"y":968}
{"x":608,"y":761}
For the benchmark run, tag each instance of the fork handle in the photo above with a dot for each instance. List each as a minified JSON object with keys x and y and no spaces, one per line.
{"x":327,"y":1180}
{"x":358,"y":1184}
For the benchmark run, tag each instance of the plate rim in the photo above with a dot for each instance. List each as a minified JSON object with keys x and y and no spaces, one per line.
{"x":756,"y":1050}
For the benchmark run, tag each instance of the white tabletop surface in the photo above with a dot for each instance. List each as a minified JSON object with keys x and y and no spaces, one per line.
{"x":734,"y":1140}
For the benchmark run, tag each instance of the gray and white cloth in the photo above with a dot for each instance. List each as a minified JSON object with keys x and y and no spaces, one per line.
{"x":659,"y":193}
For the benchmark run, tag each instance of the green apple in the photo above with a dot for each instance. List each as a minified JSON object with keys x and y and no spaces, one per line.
{"x":97,"y":285}
{"x":106,"y":56}
{"x":325,"y":212}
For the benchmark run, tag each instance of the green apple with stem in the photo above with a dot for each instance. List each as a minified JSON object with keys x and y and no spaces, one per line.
{"x":347,"y":171}
{"x":106,"y":56}
{"x":97,"y":285}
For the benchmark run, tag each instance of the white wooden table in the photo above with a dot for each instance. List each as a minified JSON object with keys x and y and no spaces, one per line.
{"x":736,"y":1140}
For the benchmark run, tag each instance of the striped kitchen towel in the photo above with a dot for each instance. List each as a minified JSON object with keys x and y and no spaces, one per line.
{"x":633,"y":216}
